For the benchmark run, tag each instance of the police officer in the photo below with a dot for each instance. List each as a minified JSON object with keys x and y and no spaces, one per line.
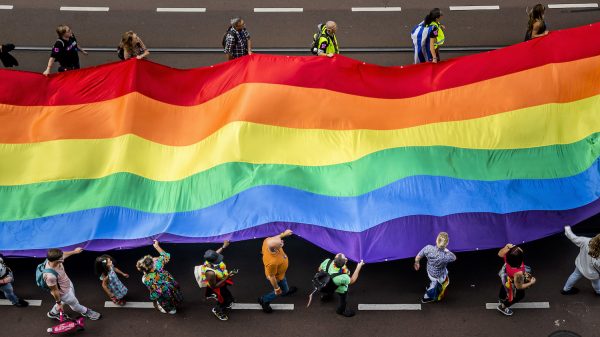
{"x":328,"y":45}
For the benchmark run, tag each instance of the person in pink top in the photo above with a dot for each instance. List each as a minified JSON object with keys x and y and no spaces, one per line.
{"x":515,"y":278}
{"x":61,"y":287}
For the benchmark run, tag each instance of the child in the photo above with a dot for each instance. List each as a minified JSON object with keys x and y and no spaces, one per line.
{"x":111,"y":284}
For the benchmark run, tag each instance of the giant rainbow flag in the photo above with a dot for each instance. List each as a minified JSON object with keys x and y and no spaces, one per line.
{"x":372,"y":161}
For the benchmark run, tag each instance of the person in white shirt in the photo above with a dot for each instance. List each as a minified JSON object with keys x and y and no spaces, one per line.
{"x":587,"y":263}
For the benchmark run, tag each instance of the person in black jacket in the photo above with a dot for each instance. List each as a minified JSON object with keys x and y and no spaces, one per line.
{"x":5,"y":57}
{"x":65,"y":51}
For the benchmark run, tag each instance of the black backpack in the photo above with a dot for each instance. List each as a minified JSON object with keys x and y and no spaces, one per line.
{"x":314,"y":49}
{"x":323,"y":281}
{"x":225,"y":37}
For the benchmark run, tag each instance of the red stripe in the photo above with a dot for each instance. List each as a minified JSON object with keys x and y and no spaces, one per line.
{"x":194,"y":86}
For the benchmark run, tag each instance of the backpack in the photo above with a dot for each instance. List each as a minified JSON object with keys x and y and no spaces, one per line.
{"x":121,"y":53}
{"x":40,"y":270}
{"x":314,"y":49}
{"x":323,"y":281}
{"x":225,"y":37}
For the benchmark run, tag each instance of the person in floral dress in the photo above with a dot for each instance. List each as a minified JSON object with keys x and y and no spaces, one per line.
{"x":164,"y":290}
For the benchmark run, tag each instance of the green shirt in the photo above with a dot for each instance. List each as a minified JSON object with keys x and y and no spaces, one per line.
{"x":342,"y":281}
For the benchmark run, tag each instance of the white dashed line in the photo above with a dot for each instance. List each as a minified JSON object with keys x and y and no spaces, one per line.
{"x":474,"y":8}
{"x":256,"y":306}
{"x":558,"y":6}
{"x":32,"y":303}
{"x":389,"y":307}
{"x":6,"y":6}
{"x":279,"y":10}
{"x":182,"y":10}
{"x":133,"y":305}
{"x":523,"y":305}
{"x":376,"y":9}
{"x":84,"y":9}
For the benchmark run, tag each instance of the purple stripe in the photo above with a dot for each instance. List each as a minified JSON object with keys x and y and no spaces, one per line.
{"x":395,"y":239}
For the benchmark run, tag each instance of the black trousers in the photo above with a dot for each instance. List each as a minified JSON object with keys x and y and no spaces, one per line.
{"x":227,"y":298}
{"x":503,"y":296}
{"x":343,"y":299}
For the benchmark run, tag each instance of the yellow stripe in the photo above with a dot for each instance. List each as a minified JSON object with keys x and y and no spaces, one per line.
{"x":255,"y":143}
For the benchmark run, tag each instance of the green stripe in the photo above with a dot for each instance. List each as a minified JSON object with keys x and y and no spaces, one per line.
{"x":349,"y":179}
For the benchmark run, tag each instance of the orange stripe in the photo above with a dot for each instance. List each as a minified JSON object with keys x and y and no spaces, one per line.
{"x":297,"y":107}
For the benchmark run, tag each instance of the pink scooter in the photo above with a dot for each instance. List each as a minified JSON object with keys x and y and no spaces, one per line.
{"x":67,"y":325}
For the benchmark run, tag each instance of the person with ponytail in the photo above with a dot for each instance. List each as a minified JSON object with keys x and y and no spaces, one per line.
{"x":427,"y":37}
{"x":536,"y":26}
{"x":111,"y":284}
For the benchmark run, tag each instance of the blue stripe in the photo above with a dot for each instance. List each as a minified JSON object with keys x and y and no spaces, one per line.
{"x":419,"y":44}
{"x":416,"y":195}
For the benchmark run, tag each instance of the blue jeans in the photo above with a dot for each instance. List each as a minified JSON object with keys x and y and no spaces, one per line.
{"x":271,"y":296}
{"x":9,"y":293}
{"x":576,"y":276}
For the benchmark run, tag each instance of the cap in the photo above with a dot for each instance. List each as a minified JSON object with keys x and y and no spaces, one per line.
{"x":213,"y":257}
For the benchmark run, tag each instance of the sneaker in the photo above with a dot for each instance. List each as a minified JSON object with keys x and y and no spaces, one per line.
{"x":220,"y":315}
{"x":347,"y":313}
{"x":427,"y":300}
{"x":56,"y":316}
{"x":504,"y":310}
{"x":266,"y":307}
{"x":291,"y":291}
{"x":21,"y":303}
{"x":91,"y":314}
{"x":212,"y":297}
{"x":173,"y":312}
{"x":160,"y":308}
{"x":571,"y":291}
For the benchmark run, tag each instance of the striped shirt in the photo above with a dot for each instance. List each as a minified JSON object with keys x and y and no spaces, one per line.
{"x":437,"y":260}
{"x":421,"y":35}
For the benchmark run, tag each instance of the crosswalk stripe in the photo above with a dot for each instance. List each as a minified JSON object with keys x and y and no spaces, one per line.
{"x":389,"y":307}
{"x":32,"y":303}
{"x":522,"y":305}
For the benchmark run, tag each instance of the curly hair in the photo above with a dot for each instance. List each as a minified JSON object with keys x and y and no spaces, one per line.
{"x":101,"y":264}
{"x":145,"y":264}
{"x":594,"y":247}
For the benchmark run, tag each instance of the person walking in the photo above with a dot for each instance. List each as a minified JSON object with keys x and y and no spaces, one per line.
{"x":587,"y":263}
{"x":6,"y":285}
{"x":427,"y":37}
{"x":328,"y":44}
{"x":216,"y":278}
{"x":438,"y":257}
{"x":276,"y":264}
{"x":6,"y":58}
{"x":111,"y":284}
{"x":237,"y":41}
{"x":60,"y":285}
{"x":131,"y":45}
{"x":164,"y":290}
{"x":340,"y":281}
{"x":65,"y":51}
{"x":536,"y":26}
{"x":515,"y":278}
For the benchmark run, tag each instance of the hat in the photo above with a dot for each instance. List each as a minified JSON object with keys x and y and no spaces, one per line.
{"x":213,"y":257}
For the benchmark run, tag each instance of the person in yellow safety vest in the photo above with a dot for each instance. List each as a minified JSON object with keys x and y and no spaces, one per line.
{"x":433,"y":19}
{"x":328,"y":45}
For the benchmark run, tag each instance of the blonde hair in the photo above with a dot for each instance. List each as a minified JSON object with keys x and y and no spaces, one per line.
{"x":129,"y":40}
{"x":594,"y":247}
{"x":442,"y":240}
{"x":62,"y":29}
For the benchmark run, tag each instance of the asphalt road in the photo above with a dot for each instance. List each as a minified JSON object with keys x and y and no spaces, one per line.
{"x":31,"y":23}
{"x":474,"y":282}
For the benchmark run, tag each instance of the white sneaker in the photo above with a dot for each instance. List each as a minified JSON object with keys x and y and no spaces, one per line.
{"x":173,"y":312}
{"x":160,"y":308}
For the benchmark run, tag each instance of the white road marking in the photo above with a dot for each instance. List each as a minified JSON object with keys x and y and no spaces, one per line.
{"x":6,"y":6}
{"x":389,"y":307}
{"x":181,"y":10}
{"x":135,"y":305}
{"x":558,"y":6}
{"x":279,"y":10}
{"x":84,"y":9}
{"x":32,"y":303}
{"x":256,"y":306}
{"x":474,"y":8}
{"x":376,"y":9}
{"x":522,"y":305}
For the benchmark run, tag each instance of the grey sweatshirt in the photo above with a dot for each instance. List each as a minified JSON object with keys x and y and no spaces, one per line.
{"x":587,"y":265}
